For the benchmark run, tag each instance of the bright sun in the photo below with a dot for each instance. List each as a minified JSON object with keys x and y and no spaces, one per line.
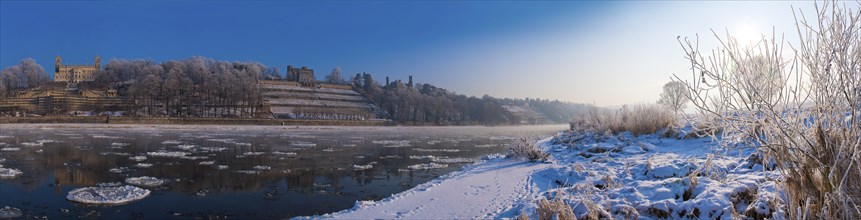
{"x":746,"y":34}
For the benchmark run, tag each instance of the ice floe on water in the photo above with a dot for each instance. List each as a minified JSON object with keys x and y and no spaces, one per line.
{"x":284,"y":153}
{"x":145,"y":181}
{"x":253,"y":153}
{"x":5,"y":136}
{"x":10,"y":212}
{"x":420,"y":157}
{"x":100,"y":136}
{"x":222,"y":167}
{"x":393,"y":143}
{"x":207,"y":163}
{"x":168,"y":154}
{"x":119,"y":144}
{"x":427,"y":166}
{"x":302,"y":144}
{"x":186,"y":146}
{"x":7,"y":149}
{"x":486,"y":145}
{"x":213,"y":149}
{"x":222,"y":140}
{"x":194,"y":157}
{"x":43,"y":141}
{"x":349,"y":145}
{"x":119,"y":170}
{"x":107,"y":195}
{"x":143,"y":165}
{"x":437,"y":150}
{"x":500,"y":138}
{"x":391,"y":157}
{"x":106,"y":153}
{"x":329,"y":150}
{"x":171,"y":142}
{"x":248,"y":171}
{"x":109,"y":184}
{"x":229,"y":141}
{"x":8,"y":173}
{"x":453,"y":160}
{"x":138,"y":158}
{"x":32,"y":144}
{"x":362,"y":167}
{"x":444,"y":160}
{"x":261,"y":167}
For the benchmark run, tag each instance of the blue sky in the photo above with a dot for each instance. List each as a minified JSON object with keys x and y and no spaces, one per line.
{"x":606,"y":53}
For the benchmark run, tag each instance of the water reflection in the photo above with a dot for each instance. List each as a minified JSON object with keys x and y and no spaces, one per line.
{"x":254,"y":174}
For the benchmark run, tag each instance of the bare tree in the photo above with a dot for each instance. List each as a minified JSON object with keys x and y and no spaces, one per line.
{"x":674,"y":96}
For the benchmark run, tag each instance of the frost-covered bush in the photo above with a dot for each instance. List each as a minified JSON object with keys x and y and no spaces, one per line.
{"x":526,"y":149}
{"x":801,"y":110}
{"x":637,"y":119}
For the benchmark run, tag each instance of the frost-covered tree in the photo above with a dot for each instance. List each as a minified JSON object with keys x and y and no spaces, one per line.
{"x":272,"y":73}
{"x":335,"y":77}
{"x":674,"y":96}
{"x":797,"y":109}
{"x":25,"y":75}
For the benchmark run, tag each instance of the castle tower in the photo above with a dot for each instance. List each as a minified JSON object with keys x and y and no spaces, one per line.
{"x":98,"y":63}
{"x":410,"y":84}
{"x":58,"y":62}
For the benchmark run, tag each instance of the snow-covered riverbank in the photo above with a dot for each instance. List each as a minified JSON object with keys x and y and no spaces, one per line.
{"x":599,"y":175}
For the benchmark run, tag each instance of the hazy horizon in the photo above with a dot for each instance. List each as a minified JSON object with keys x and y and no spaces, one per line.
{"x":602,"y":53}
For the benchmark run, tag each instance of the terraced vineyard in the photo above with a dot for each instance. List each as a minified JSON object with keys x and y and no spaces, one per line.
{"x":289,"y":100}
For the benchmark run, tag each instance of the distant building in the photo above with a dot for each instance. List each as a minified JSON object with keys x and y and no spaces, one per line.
{"x":302,"y":75}
{"x":75,"y":73}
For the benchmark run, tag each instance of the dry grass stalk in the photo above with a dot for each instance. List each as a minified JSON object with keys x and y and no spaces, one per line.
{"x":638,"y":119}
{"x":522,"y":216}
{"x":548,"y":209}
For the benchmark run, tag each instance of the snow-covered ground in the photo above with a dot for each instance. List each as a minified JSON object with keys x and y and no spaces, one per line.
{"x":617,"y":176}
{"x":480,"y":191}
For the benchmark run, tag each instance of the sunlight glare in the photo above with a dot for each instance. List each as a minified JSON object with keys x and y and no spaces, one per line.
{"x":746,"y":34}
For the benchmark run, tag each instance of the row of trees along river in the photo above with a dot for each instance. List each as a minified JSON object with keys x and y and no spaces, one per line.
{"x":204,"y":87}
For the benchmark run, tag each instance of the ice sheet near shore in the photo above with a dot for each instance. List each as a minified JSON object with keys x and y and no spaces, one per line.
{"x":615,"y":176}
{"x":9,"y":173}
{"x":10,"y":213}
{"x":110,"y":195}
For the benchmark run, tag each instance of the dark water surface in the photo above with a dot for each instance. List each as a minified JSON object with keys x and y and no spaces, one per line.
{"x":236,"y":172}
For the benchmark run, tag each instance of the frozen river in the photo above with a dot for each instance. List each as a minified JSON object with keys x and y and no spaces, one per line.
{"x":234,"y":171}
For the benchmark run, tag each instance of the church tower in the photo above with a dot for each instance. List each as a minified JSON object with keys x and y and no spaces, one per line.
{"x":98,"y":62}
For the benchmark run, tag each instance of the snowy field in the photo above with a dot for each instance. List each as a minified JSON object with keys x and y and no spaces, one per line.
{"x":598,"y":175}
